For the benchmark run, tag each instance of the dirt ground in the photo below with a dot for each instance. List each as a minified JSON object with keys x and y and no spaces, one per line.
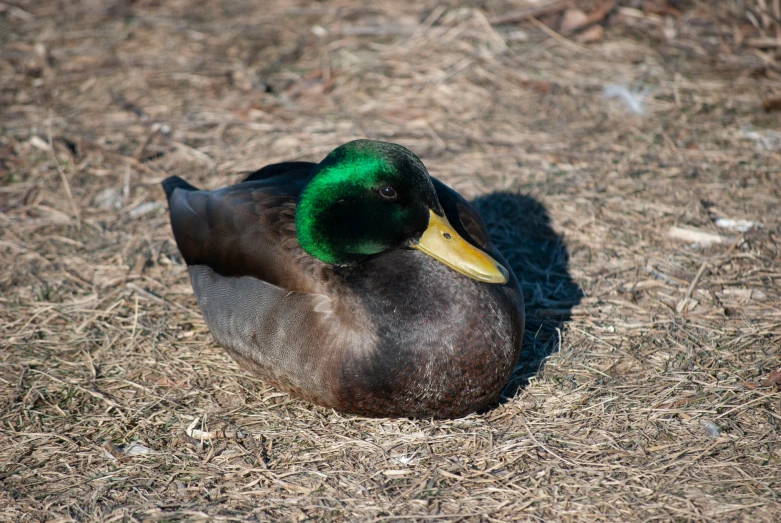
{"x":628,"y":163}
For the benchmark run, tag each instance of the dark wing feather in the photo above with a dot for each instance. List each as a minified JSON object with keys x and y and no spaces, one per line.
{"x":285,"y":168}
{"x":247,"y":229}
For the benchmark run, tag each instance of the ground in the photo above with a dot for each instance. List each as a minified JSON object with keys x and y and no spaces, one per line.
{"x":645,"y":226}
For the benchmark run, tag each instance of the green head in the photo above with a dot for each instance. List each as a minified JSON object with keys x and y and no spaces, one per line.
{"x":364,"y":198}
{"x":368,"y":197}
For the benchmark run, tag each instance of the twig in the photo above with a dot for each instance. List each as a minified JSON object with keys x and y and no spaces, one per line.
{"x":545,"y":447}
{"x":64,"y":178}
{"x":777,"y":17}
{"x":763,"y":42}
{"x":522,"y":14}
{"x":376,"y":30}
{"x":556,"y":36}
{"x":682,"y":304}
{"x":140,"y":149}
{"x":489,"y":29}
{"x":427,"y":23}
{"x":93,"y":393}
{"x":140,"y":291}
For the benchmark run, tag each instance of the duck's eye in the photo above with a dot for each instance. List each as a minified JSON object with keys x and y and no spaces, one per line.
{"x":388,"y":192}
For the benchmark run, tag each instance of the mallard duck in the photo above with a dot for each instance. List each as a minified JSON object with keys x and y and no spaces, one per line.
{"x":359,"y":283}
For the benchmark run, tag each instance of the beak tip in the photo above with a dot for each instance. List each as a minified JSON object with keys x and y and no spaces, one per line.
{"x":504,"y":271}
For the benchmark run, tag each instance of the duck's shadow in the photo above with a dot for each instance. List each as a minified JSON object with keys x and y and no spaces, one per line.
{"x":520,"y":228}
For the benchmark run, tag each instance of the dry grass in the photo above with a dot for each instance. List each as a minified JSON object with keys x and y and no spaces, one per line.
{"x":639,"y":411}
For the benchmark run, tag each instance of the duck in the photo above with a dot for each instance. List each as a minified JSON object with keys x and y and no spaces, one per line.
{"x":359,"y":283}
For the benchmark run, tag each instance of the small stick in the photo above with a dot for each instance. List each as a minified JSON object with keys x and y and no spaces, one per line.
{"x":556,"y":36}
{"x":140,"y":149}
{"x":489,"y":28}
{"x":64,"y":178}
{"x":521,"y":14}
{"x":426,"y":25}
{"x":682,"y":304}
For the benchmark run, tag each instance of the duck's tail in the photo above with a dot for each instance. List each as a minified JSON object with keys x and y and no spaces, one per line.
{"x":174,"y":182}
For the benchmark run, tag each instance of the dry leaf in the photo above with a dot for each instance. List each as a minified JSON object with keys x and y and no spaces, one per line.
{"x":591,"y":35}
{"x":660,"y":7}
{"x":598,"y":14}
{"x":772,"y":104}
{"x":771,"y":380}
{"x":573,"y":20}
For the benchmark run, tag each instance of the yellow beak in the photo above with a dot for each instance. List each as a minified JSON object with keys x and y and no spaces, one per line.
{"x":443,"y":243}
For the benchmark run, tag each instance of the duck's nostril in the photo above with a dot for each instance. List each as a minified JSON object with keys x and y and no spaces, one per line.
{"x":446,"y":235}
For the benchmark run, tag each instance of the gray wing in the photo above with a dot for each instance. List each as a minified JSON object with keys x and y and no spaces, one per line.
{"x":290,"y":339}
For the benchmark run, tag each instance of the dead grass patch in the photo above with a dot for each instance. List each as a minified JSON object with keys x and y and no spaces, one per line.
{"x":116,"y":404}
